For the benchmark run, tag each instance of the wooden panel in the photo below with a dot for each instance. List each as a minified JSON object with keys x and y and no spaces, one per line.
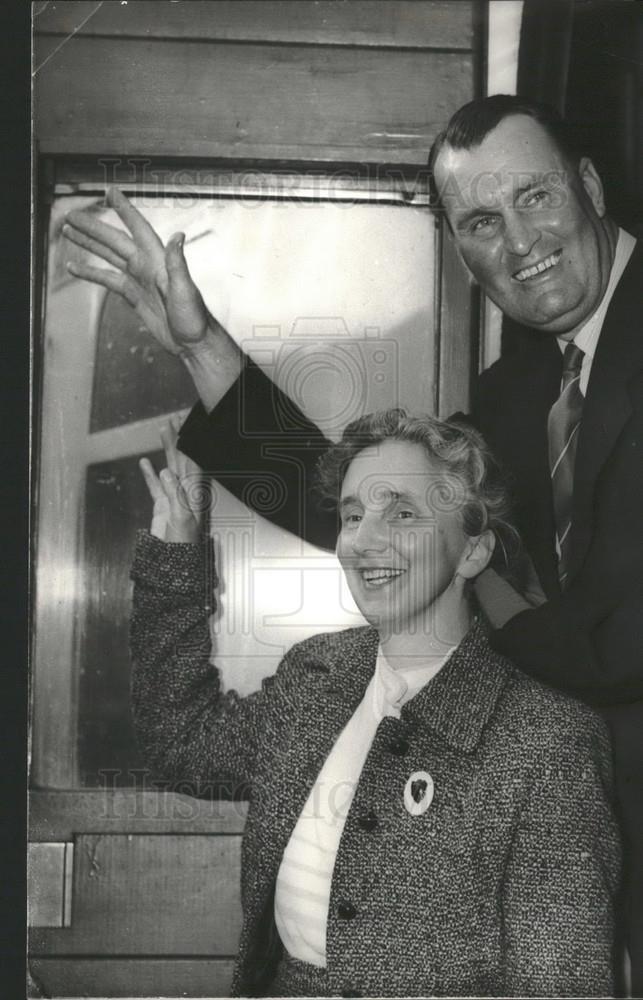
{"x":458,"y":345}
{"x":360,"y":22}
{"x":140,"y":98}
{"x":88,"y":977}
{"x":59,"y":815}
{"x":150,"y":895}
{"x":46,"y":884}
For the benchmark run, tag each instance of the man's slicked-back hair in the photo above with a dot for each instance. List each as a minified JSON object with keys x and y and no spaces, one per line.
{"x":472,"y":123}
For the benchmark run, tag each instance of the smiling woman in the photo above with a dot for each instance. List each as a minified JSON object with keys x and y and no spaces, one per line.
{"x":411,"y":540}
{"x":394,"y":765}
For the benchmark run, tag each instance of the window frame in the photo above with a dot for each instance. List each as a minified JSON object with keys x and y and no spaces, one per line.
{"x":54,"y":695}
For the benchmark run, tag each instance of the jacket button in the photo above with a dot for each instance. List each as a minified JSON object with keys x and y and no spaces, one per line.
{"x":368,"y":822}
{"x":399,"y":746}
{"x":346,"y":910}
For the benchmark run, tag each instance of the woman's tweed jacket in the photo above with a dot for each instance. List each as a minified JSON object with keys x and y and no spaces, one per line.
{"x":503,"y":887}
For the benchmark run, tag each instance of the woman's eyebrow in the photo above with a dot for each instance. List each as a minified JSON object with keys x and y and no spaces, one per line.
{"x":348,"y":501}
{"x":392,"y":496}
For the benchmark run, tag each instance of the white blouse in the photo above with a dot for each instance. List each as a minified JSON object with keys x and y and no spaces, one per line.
{"x":303,"y":883}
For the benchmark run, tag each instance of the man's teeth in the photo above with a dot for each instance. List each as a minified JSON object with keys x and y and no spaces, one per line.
{"x":544,"y":265}
{"x":380,"y":575}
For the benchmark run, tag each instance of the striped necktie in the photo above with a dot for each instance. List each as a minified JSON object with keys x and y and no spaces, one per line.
{"x":562,"y":429}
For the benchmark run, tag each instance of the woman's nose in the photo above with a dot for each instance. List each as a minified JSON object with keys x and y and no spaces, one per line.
{"x":371,"y":536}
{"x":520,"y":234}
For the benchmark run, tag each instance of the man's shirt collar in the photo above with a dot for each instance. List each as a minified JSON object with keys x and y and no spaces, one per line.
{"x":587,"y":336}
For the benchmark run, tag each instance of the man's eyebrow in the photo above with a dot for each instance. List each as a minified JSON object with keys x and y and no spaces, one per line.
{"x":474,"y":213}
{"x":480,"y":210}
{"x":529,"y":185}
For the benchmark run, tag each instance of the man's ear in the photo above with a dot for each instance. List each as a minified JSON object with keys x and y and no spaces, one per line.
{"x":592,"y":184}
{"x":477,"y":553}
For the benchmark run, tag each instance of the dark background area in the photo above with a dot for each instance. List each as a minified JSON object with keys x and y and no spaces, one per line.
{"x":585,"y":57}
{"x":14,"y":492}
{"x":605,"y":99}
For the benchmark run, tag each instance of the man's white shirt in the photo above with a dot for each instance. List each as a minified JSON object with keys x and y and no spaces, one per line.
{"x":587,"y":336}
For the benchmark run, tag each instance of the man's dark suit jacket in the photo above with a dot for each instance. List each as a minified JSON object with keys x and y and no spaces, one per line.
{"x":589,"y":640}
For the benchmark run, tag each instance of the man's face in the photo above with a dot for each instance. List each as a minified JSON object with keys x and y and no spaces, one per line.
{"x":401,"y":538}
{"x":531,"y":228}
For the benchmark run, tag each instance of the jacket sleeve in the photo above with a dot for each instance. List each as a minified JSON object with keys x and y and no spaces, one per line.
{"x":187,"y":728}
{"x":588,"y":641}
{"x":562,"y":876}
{"x":258,"y":444}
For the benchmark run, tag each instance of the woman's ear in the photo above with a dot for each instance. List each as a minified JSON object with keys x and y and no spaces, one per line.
{"x":477,"y":553}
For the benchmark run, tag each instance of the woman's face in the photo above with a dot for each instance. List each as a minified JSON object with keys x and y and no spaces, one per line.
{"x":400,"y":541}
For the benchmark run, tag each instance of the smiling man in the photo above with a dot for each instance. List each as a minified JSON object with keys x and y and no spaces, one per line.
{"x":563,"y":411}
{"x":529,"y":221}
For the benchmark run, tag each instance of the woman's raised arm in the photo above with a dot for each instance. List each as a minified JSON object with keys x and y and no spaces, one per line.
{"x":189,"y":731}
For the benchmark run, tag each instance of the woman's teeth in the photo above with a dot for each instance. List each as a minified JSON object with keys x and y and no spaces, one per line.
{"x":544,"y":265}
{"x":379,"y":577}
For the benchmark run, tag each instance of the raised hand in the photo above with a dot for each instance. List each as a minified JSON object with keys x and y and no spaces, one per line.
{"x":178,"y":492}
{"x":156,"y":282}
{"x":154,"y":279}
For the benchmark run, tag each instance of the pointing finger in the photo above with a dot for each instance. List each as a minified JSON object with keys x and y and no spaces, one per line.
{"x":151,"y":479}
{"x":179,"y":507}
{"x":168,"y":439}
{"x":175,"y":263}
{"x":139,"y":227}
{"x":114,"y":281}
{"x":93,"y":246}
{"x":174,"y":257}
{"x":111,"y":237}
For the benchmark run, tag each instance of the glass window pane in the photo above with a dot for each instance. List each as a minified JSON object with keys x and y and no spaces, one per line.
{"x":134,"y":377}
{"x":335,"y":301}
{"x":116,"y":504}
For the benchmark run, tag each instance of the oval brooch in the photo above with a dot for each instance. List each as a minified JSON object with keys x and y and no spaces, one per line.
{"x":418,"y":793}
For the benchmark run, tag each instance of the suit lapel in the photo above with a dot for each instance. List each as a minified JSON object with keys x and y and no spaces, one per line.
{"x":608,"y":404}
{"x":519,"y":434}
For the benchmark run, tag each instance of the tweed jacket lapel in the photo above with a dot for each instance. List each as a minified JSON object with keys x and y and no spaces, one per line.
{"x":351,"y":668}
{"x":456,"y":704}
{"x":617,"y":366}
{"x":459,"y":701}
{"x":333,"y":684}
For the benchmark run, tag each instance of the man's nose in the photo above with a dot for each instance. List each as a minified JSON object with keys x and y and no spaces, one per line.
{"x":520,"y":234}
{"x":372,"y":535}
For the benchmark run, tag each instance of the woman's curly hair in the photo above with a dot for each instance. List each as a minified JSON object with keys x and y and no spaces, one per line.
{"x":481,"y":496}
